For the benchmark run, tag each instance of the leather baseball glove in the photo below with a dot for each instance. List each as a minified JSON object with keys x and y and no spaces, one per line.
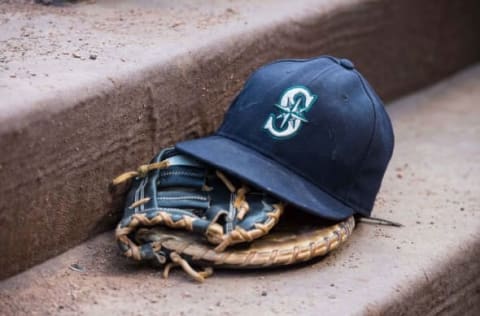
{"x":180,"y":212}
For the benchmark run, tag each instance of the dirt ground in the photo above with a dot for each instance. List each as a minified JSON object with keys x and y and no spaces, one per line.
{"x":41,"y":44}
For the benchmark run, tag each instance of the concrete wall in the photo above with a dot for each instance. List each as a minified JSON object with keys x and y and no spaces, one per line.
{"x":57,"y":162}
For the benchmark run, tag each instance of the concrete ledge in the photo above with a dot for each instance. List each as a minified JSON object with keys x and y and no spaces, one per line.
{"x":428,"y":267}
{"x":160,"y":74}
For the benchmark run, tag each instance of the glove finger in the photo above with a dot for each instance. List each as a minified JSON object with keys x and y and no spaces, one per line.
{"x":181,"y":176}
{"x":183,"y":200}
{"x":260,"y":205}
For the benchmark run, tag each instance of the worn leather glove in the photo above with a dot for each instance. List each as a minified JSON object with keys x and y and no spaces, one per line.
{"x":176,"y":191}
{"x":180,"y":212}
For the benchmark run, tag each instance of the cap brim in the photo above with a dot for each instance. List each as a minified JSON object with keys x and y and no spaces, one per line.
{"x":262,"y":172}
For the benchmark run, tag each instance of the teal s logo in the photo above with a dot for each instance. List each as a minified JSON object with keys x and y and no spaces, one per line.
{"x":294,"y":103}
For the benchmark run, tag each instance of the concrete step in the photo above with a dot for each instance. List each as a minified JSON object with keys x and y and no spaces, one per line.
{"x":92,"y":89}
{"x":428,"y":267}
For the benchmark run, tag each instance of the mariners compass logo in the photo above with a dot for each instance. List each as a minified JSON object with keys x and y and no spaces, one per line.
{"x":294,"y":103}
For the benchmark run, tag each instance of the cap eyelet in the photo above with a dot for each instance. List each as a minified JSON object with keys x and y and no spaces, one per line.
{"x":347,"y":64}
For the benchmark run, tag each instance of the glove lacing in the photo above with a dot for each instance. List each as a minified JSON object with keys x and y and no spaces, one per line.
{"x":240,"y":204}
{"x":141,"y":172}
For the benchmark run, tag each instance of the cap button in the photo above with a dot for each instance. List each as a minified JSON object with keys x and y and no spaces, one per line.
{"x":347,"y":64}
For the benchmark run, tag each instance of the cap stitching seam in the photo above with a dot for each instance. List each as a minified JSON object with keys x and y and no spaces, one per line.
{"x":372,"y":135}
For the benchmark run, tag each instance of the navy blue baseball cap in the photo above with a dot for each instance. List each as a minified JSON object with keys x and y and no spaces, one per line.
{"x":312,"y":132}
